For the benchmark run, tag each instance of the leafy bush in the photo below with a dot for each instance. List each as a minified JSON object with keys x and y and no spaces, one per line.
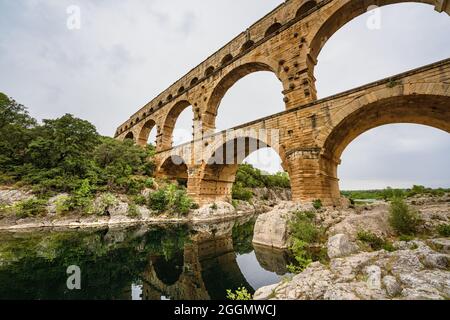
{"x":239,"y":192}
{"x":303,"y":228}
{"x":250,"y":177}
{"x":403,"y":219}
{"x":304,"y":233}
{"x":376,"y":243}
{"x":105,"y":201}
{"x":317,"y":204}
{"x":133,"y":211}
{"x":158,"y":201}
{"x":302,"y":256}
{"x":170,"y":198}
{"x":62,"y":205}
{"x":444,"y":230}
{"x":182,"y":203}
{"x":140,"y":200}
{"x":241,"y":294}
{"x":30,"y":208}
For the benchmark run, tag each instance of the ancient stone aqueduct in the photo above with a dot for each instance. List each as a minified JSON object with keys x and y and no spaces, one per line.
{"x":312,"y":134}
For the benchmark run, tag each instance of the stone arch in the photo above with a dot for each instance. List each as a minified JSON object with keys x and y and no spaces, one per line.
{"x":145,"y":132}
{"x":430,"y":109}
{"x":174,"y":167}
{"x":226,"y":83}
{"x":417,"y":103}
{"x":247,"y":45}
{"x":305,"y":7}
{"x":209,"y":71}
{"x":272,"y":29}
{"x":227,"y":59}
{"x":346,"y":10}
{"x":221,"y":165}
{"x":129,"y":136}
{"x":170,"y":121}
{"x":194,"y":81}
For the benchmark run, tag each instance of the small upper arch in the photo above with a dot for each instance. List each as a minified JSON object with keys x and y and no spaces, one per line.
{"x":305,"y":8}
{"x":247,"y":45}
{"x":209,"y":71}
{"x":227,"y":59}
{"x":272,"y":29}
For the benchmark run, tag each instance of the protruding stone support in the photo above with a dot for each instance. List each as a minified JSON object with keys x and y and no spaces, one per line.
{"x":313,"y":177}
{"x":443,"y":6}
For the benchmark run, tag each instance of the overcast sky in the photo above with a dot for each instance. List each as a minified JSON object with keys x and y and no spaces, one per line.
{"x":127,"y":52}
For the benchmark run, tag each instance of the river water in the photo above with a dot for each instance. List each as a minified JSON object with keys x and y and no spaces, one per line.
{"x":177,"y":262}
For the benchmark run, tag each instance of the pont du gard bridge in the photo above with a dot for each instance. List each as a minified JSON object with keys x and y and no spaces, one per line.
{"x":310,"y":135}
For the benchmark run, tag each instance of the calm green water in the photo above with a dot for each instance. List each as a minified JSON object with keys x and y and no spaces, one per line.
{"x":146,"y":262}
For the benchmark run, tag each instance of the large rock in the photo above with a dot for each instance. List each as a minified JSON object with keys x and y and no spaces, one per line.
{"x":340,"y":246}
{"x":11,"y":196}
{"x":403,"y":274}
{"x":220,"y":209}
{"x":272,"y":228}
{"x":376,"y":221}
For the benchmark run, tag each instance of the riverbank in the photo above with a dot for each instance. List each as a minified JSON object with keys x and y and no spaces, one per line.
{"x":366,"y":259}
{"x":117,"y":211}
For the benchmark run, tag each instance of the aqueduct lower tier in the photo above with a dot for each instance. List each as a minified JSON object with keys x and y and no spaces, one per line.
{"x":310,"y":139}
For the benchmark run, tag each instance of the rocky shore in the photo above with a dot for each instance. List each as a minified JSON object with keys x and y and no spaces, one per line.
{"x":415,"y":269}
{"x":117,"y":213}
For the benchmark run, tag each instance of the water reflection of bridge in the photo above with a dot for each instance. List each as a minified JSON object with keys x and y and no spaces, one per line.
{"x":205,"y":268}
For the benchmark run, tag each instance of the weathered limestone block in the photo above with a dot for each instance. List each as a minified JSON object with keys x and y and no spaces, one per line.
{"x":340,"y":246}
{"x":272,"y":228}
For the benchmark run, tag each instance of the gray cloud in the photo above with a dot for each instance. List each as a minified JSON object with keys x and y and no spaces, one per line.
{"x":128,"y":52}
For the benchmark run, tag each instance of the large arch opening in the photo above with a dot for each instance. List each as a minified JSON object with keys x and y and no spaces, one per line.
{"x":221,"y":170}
{"x":178,"y":126}
{"x":356,"y":46}
{"x":305,"y":8}
{"x":174,"y":168}
{"x":397,"y":156}
{"x":148,"y":134}
{"x":129,"y":136}
{"x":426,"y":110}
{"x":249,"y":92}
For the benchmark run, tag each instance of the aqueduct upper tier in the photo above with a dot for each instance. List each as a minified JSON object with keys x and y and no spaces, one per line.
{"x":310,"y":135}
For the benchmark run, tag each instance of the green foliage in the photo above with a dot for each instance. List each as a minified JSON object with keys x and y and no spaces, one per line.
{"x":62,"y":205}
{"x":304,"y":234}
{"x":241,"y":294}
{"x":406,"y":238}
{"x":317,"y":204}
{"x":106,"y":201}
{"x":158,"y":201}
{"x":242,"y":235}
{"x":444,"y":230}
{"x":250,"y":177}
{"x":214,"y":207}
{"x":374,"y":242}
{"x":302,"y":256}
{"x":170,"y":198}
{"x":182,"y":203}
{"x":133,"y":211}
{"x":390,"y":193}
{"x":403,"y":219}
{"x":30,"y":208}
{"x":303,"y":228}
{"x":239,"y":192}
{"x":140,"y":200}
{"x":62,"y":154}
